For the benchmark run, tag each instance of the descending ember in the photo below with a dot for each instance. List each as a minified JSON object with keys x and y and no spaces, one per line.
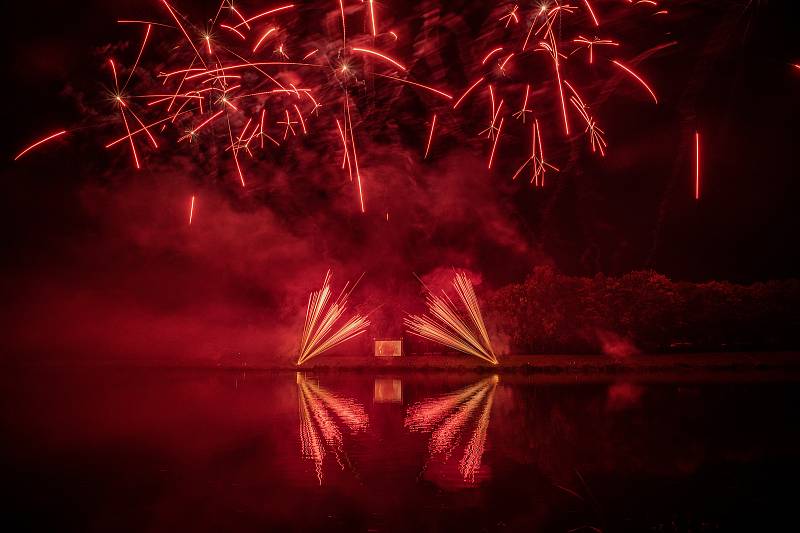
{"x":40,"y":142}
{"x":322,"y":329}
{"x":191,"y":210}
{"x":637,"y":78}
{"x":696,"y":165}
{"x":430,"y":137}
{"x":445,"y":325}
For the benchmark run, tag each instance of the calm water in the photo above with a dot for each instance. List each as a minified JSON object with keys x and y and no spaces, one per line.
{"x":147,"y":450}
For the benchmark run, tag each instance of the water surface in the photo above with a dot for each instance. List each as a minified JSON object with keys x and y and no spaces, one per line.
{"x":182,"y":450}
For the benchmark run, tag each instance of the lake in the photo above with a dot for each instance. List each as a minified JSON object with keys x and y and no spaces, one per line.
{"x":121,"y":449}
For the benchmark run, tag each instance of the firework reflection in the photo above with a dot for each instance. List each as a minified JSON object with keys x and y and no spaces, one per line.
{"x":450,"y":418}
{"x":323,"y":417}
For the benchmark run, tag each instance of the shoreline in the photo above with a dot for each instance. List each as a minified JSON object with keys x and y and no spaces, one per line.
{"x":784,"y":364}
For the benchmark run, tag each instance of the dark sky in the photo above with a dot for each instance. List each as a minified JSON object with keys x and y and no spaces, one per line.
{"x":77,"y":221}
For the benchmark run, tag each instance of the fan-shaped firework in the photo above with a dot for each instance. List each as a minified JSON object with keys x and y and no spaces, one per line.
{"x":445,"y":325}
{"x":321,"y":330}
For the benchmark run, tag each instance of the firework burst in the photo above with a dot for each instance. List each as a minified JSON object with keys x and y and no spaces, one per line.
{"x":241,"y":84}
{"x":244,"y":87}
{"x":323,"y":329}
{"x":525,"y":59}
{"x":445,"y":325}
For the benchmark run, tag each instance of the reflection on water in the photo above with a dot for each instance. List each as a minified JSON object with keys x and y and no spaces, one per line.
{"x":153,"y":450}
{"x":388,"y":390}
{"x":322,"y":416}
{"x":447,"y":417}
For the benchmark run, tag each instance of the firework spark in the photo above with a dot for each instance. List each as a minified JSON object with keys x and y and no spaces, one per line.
{"x":445,"y":325}
{"x":430,"y":137}
{"x":40,"y":142}
{"x":637,"y":78}
{"x":322,"y":330}
{"x":696,"y":165}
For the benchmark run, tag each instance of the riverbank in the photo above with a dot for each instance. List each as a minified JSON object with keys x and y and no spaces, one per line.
{"x":776,"y":364}
{"x":788,"y":362}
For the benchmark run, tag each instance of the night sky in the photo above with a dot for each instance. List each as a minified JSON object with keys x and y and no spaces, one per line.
{"x":89,"y":241}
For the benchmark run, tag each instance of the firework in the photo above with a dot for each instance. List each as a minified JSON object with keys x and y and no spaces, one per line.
{"x":242,"y":87}
{"x":637,"y":78}
{"x":40,"y":142}
{"x":191,"y":210}
{"x":507,"y":69}
{"x":430,"y":137}
{"x":445,"y":325}
{"x":323,"y":329}
{"x":696,"y":165}
{"x":240,"y":80}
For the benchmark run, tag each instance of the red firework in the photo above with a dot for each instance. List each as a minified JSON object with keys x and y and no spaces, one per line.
{"x":245,"y":83}
{"x":508,"y":71}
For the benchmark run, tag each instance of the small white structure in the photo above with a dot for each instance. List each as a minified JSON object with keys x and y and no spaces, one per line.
{"x":388,"y":348}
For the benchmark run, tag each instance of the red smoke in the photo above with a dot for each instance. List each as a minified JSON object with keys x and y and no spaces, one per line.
{"x":140,"y":283}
